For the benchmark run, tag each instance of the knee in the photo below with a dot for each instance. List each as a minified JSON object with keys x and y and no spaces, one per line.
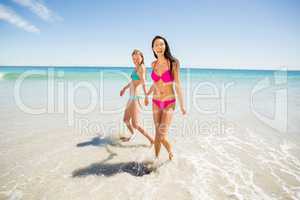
{"x":159,"y":138}
{"x":157,"y":127}
{"x":163,"y":138}
{"x":126,"y":120}
{"x":162,"y":130}
{"x":135,"y":124}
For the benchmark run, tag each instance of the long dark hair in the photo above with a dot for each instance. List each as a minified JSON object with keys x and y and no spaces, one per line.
{"x":167,"y":52}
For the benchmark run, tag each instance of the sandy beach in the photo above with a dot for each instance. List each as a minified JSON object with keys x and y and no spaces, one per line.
{"x":223,"y":155}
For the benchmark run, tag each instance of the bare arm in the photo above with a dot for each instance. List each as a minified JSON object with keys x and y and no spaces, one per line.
{"x":152,"y":86}
{"x":143,"y":79}
{"x":125,"y":88}
{"x":150,"y":90}
{"x":178,"y":88}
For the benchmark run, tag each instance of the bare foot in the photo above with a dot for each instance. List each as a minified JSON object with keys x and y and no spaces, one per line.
{"x":171,"y":156}
{"x":151,"y":144}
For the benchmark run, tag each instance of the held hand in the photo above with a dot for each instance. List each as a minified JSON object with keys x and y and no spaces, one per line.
{"x":122,"y":92}
{"x":146,"y":101}
{"x":183,"y":111}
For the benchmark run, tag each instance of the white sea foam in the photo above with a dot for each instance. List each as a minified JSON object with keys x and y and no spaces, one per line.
{"x":40,"y":154}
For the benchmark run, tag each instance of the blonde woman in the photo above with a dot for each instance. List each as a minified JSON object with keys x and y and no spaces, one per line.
{"x":132,"y":111}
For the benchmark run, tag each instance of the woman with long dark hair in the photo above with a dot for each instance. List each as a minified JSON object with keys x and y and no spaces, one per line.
{"x":165,"y":75}
{"x":131,"y":115}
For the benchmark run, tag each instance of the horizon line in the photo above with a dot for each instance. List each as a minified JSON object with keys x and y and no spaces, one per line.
{"x":184,"y":67}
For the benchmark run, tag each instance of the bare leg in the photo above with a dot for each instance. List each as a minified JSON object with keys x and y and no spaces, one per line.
{"x":156,"y":117}
{"x":167,"y":145}
{"x":142,"y":131}
{"x":127,"y":118}
{"x":165,"y":123}
{"x":135,"y":122}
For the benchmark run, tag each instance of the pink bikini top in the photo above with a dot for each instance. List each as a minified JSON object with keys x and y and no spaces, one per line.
{"x":165,"y":77}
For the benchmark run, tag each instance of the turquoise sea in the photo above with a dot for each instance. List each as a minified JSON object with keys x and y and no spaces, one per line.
{"x":240,"y":138}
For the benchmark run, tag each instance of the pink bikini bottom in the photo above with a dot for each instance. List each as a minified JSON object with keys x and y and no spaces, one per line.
{"x":163,"y":104}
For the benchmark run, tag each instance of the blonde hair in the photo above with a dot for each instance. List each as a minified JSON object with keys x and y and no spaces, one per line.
{"x":138,"y":52}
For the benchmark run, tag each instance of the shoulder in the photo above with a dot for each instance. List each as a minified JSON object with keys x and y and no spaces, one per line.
{"x":176,"y":63}
{"x":142,"y":68}
{"x":153,"y":63}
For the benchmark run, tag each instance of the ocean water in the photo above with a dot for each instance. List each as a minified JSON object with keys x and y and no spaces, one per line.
{"x":60,"y":126}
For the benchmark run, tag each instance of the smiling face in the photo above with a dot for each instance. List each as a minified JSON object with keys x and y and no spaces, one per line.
{"x":159,"y":47}
{"x":137,"y":59}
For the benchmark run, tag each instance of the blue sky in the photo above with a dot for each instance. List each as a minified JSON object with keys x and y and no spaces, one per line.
{"x":201,"y":33}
